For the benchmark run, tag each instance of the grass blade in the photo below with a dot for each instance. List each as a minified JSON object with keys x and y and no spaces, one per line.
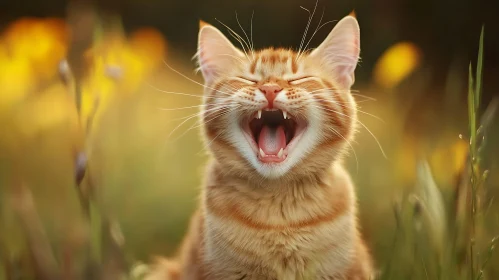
{"x":479,"y":66}
{"x":471,"y":111}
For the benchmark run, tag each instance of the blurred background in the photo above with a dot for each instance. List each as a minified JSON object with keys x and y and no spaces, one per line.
{"x":132,"y":61}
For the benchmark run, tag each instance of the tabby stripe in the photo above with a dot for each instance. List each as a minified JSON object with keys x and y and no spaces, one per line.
{"x":253,"y":65}
{"x":294,"y":65}
{"x":233,"y":211}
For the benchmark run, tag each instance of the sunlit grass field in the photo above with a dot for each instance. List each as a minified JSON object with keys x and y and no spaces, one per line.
{"x":146,"y":156}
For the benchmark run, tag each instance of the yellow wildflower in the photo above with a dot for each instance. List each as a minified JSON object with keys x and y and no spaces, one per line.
{"x":396,"y":63}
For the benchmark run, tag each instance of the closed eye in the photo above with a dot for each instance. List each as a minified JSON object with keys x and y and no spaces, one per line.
{"x":246,"y":80}
{"x":300,"y":80}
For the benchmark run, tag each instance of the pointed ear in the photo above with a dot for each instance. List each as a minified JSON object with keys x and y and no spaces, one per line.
{"x":216,"y":53}
{"x":339,"y":53}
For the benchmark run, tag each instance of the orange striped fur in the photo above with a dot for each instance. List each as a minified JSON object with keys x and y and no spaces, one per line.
{"x":290,"y":220}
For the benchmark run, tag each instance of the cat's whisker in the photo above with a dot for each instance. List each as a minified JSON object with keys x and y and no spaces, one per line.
{"x":239,"y":38}
{"x":371,"y":115}
{"x":320,"y":91}
{"x":181,"y":108}
{"x":192,"y":116}
{"x":356,"y":100}
{"x":183,"y":122}
{"x":363,"y":125}
{"x":363,"y":100}
{"x":193,"y":81}
{"x":191,"y":107}
{"x":366,"y":98}
{"x":241,"y":41}
{"x":303,"y":36}
{"x":357,"y":109}
{"x":352,"y":92}
{"x":173,"y":92}
{"x":183,"y":94}
{"x":202,"y":122}
{"x":196,"y":115}
{"x":205,"y":146}
{"x":320,"y":20}
{"x":311,"y":15}
{"x":351,"y":147}
{"x":317,"y":30}
{"x":233,"y":88}
{"x":247,"y":38}
{"x":334,"y":89}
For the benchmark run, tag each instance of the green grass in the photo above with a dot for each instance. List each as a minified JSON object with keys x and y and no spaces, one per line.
{"x":433,"y":238}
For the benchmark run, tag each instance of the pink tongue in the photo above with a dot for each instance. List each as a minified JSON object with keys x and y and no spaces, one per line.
{"x":272,"y":139}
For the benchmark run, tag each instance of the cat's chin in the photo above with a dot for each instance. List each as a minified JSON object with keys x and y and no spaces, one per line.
{"x":273,"y":134}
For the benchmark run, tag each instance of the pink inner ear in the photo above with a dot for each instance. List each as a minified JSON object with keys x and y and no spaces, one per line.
{"x":207,"y":69}
{"x":342,"y":64}
{"x":339,"y":52}
{"x":345,"y":76}
{"x":207,"y":64}
{"x":216,"y":53}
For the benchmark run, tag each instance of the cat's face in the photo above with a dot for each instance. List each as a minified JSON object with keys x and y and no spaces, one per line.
{"x":277,"y":112}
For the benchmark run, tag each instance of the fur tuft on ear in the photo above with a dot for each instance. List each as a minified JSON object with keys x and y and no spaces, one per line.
{"x":339,"y":53}
{"x":215,"y":53}
{"x":202,"y":24}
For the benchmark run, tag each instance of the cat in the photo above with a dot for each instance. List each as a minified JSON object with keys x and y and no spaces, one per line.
{"x":276,"y":202}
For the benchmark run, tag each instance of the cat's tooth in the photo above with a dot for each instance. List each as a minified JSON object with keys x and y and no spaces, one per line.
{"x":262,"y":153}
{"x":259,"y":114}
{"x":280,"y":154}
{"x":285,"y":114}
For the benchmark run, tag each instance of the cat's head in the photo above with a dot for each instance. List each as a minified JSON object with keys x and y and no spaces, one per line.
{"x":278,"y":113}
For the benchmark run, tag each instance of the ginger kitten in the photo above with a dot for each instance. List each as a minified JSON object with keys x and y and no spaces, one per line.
{"x":277,"y":202}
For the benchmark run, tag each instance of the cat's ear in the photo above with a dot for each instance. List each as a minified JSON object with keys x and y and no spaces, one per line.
{"x":215,"y":53}
{"x":339,"y":53}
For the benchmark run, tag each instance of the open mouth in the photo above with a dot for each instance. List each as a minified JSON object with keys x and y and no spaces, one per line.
{"x":272,"y":134}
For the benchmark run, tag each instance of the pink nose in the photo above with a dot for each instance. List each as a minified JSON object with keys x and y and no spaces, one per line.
{"x":270,"y":91}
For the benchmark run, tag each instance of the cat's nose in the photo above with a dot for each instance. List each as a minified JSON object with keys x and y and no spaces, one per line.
{"x":270,"y":91}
